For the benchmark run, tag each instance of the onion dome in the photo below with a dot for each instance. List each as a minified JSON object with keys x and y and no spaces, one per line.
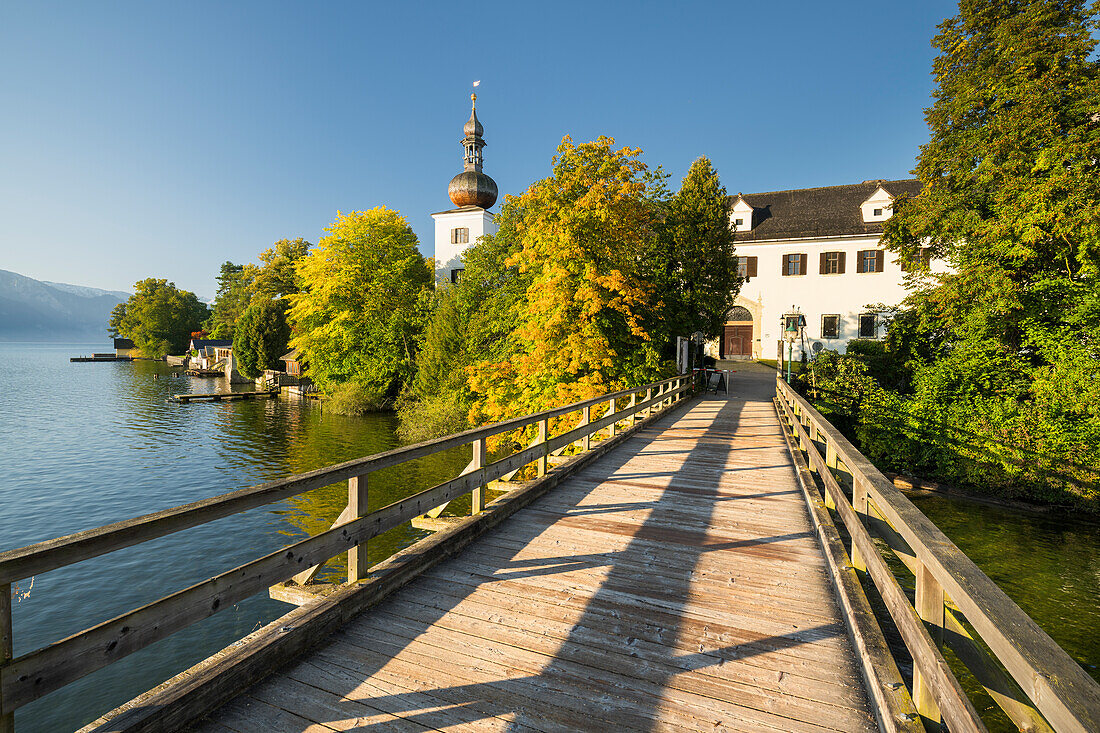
{"x":473,"y":127}
{"x":472,"y":187}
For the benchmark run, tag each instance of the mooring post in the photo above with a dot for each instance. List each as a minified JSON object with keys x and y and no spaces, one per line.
{"x":7,"y":719}
{"x":611,"y":411}
{"x":541,"y":440}
{"x":586,"y":417}
{"x":477,"y":498}
{"x":929,"y":606}
{"x":357,"y":507}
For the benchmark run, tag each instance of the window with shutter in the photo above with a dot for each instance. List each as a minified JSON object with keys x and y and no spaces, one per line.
{"x":794,"y":264}
{"x":868,"y":260}
{"x":746,"y":267}
{"x":832,"y":263}
{"x":460,"y":235}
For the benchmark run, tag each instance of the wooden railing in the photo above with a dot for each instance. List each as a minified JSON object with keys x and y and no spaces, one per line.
{"x":30,"y":676}
{"x":1038,"y":685}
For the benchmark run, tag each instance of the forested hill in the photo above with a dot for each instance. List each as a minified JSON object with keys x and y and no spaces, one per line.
{"x":32,"y":310}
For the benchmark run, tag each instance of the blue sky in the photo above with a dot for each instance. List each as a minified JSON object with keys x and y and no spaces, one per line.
{"x":159,"y":139}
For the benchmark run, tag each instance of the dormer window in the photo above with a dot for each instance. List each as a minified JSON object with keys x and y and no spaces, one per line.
{"x":877,"y":207}
{"x":741,"y":215}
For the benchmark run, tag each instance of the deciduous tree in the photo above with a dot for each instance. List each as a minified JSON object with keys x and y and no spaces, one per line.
{"x":159,"y":317}
{"x":579,"y":331}
{"x":357,"y":316}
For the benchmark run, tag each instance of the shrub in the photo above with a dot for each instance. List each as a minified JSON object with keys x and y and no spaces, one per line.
{"x":353,"y":399}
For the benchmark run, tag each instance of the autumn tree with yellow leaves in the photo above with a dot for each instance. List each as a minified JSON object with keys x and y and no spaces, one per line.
{"x":581,"y":237}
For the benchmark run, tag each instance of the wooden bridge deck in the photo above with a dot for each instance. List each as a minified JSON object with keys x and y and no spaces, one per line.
{"x":675,"y":584}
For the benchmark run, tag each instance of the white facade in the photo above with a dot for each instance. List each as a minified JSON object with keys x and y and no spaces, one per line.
{"x":455,"y":231}
{"x":834,"y":280}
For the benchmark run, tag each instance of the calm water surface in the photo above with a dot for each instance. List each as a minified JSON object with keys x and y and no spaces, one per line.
{"x":85,"y":444}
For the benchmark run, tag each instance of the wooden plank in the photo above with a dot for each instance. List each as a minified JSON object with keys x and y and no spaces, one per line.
{"x":629,"y":702}
{"x":796,"y":652}
{"x":746,"y":658}
{"x":318,"y":705}
{"x":631,"y":663}
{"x":400,"y":701}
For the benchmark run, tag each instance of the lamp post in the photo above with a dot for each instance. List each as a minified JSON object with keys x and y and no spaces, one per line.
{"x":795,"y":322}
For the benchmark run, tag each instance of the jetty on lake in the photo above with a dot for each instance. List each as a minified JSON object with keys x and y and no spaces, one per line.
{"x":661,"y":558}
{"x":100,"y":357}
{"x":224,"y":396}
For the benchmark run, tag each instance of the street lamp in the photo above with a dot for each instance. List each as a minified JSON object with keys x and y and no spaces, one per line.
{"x":795,"y":322}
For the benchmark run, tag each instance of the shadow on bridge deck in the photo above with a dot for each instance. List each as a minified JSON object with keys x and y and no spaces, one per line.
{"x":675,"y":584}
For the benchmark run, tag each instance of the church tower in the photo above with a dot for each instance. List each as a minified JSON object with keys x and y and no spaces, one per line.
{"x":473,"y":193}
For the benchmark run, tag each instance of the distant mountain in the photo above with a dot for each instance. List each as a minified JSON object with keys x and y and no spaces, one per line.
{"x":33,"y":310}
{"x":87,"y":292}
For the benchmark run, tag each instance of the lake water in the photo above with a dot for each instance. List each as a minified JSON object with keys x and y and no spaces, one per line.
{"x":82,"y":445}
{"x":86,"y":444}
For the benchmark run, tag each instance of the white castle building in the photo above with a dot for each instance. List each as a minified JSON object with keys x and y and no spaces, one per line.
{"x":813,"y":253}
{"x":473,"y":193}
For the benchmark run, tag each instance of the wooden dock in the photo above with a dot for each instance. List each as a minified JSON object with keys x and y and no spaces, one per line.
{"x":675,"y":585}
{"x":222,"y":396}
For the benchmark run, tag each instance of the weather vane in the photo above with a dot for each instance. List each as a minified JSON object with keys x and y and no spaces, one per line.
{"x":473,"y":97}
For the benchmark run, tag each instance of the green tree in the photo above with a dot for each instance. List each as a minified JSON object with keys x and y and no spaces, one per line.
{"x":276,"y":276}
{"x":230,"y":300}
{"x":692,"y":264}
{"x":114,"y":324}
{"x":357,"y":316}
{"x":470,"y":321}
{"x":159,"y":317}
{"x":998,"y":352}
{"x":580,"y":330}
{"x":261,"y":336}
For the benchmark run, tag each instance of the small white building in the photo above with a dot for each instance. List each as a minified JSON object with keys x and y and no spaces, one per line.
{"x":473,"y":193}
{"x":813,"y":253}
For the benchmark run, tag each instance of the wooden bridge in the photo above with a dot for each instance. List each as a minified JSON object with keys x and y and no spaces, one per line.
{"x":680,"y":571}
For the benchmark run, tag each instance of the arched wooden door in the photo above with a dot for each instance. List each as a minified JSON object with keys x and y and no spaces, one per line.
{"x":737,"y":334}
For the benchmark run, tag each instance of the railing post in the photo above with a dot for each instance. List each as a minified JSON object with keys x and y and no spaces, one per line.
{"x":7,"y":718}
{"x":648,"y":397}
{"x":859,"y":503}
{"x":586,"y":416}
{"x":633,"y":401}
{"x":357,"y":507}
{"x":477,"y":498}
{"x":929,"y":605}
{"x":830,"y":466}
{"x":612,"y":428}
{"x":541,"y":439}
